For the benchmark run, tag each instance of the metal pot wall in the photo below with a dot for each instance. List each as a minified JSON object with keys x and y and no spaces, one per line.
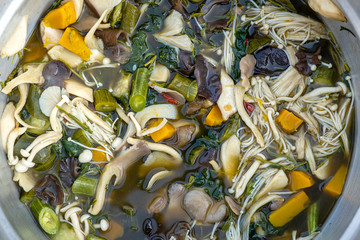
{"x":344,"y":221}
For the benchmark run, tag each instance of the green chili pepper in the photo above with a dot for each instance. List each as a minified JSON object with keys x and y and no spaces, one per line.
{"x":185,"y":86}
{"x":139,"y":89}
{"x":104,"y":101}
{"x":84,"y":185}
{"x":46,"y":216}
{"x":130,"y":17}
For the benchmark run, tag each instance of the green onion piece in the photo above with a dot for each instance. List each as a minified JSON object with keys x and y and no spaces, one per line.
{"x":94,"y":237}
{"x":324,"y":75}
{"x":84,"y":185}
{"x":185,"y":86}
{"x":79,"y":136}
{"x":46,"y":216}
{"x":231,"y":127}
{"x":312,"y":217}
{"x":104,"y":101}
{"x":139,"y":89}
{"x":27,"y":197}
{"x":130,"y":17}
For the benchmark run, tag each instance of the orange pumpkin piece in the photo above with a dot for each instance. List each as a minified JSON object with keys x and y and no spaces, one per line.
{"x":164,"y":133}
{"x":290,"y":209}
{"x":336,"y":184}
{"x":99,"y":156}
{"x":74,"y":42}
{"x":300,"y":180}
{"x":214,"y":117}
{"x":288,"y":121}
{"x":61,"y":17}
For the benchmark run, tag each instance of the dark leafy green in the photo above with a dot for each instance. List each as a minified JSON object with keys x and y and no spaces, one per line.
{"x":168,"y":56}
{"x":152,"y":25}
{"x":207,"y":179}
{"x":139,"y":47}
{"x":239,"y":49}
{"x":72,"y":149}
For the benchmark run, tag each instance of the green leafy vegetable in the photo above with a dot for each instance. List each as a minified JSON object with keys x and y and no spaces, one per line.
{"x":152,"y":25}
{"x":239,"y":49}
{"x":256,"y":43}
{"x":139,"y":47}
{"x":207,"y":179}
{"x":231,"y":128}
{"x":168,"y":56}
{"x":72,"y":149}
{"x":115,"y":15}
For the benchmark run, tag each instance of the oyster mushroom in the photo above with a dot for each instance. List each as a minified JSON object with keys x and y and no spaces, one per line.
{"x":80,"y":90}
{"x":173,"y":24}
{"x":14,"y":134}
{"x":226,"y":101}
{"x":117,"y":167}
{"x":99,"y":6}
{"x":27,"y":181}
{"x":176,"y":195}
{"x":160,"y":73}
{"x":180,"y":99}
{"x":340,"y":88}
{"x":7,"y":123}
{"x":23,"y":90}
{"x":239,"y":97}
{"x":277,"y":182}
{"x":230,"y":156}
{"x":158,"y":204}
{"x":86,"y":22}
{"x":328,"y":9}
{"x":60,"y":53}
{"x":32,"y":74}
{"x":247,"y":66}
{"x":50,"y":36}
{"x":17,"y":40}
{"x":49,"y":98}
{"x":241,"y":185}
{"x":181,"y":41}
{"x":160,"y":174}
{"x":203,"y":208}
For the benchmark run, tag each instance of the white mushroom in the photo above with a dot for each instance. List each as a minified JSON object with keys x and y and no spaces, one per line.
{"x":239,"y":97}
{"x":17,"y":40}
{"x":328,"y":9}
{"x":18,"y":131}
{"x":226,"y":101}
{"x":172,"y":93}
{"x":203,"y":208}
{"x":48,"y":99}
{"x":72,"y":215}
{"x":60,"y":53}
{"x":277,"y":182}
{"x":160,"y":73}
{"x":156,"y":177}
{"x":340,"y":88}
{"x":120,"y":111}
{"x":173,"y":24}
{"x":181,"y":41}
{"x":26,"y":181}
{"x":99,"y":6}
{"x":247,"y":66}
{"x":50,"y":36}
{"x":78,"y":89}
{"x":230,"y":156}
{"x":117,"y":167}
{"x":7,"y":123}
{"x":158,"y":147}
{"x":241,"y":185}
{"x":32,"y":74}
{"x":23,"y":90}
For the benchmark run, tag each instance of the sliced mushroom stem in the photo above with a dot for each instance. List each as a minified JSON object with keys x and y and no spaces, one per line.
{"x":7,"y":123}
{"x":341,"y":88}
{"x":24,"y":91}
{"x":72,"y":215}
{"x":239,"y":97}
{"x":328,"y":9}
{"x":270,"y":114}
{"x":241,"y":185}
{"x":309,"y":156}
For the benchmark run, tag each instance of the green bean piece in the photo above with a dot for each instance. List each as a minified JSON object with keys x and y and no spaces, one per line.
{"x":324,"y":75}
{"x":185,"y":86}
{"x":46,"y":216}
{"x":36,"y":119}
{"x":139,"y":89}
{"x":79,"y":136}
{"x":231,"y":128}
{"x":84,"y":185}
{"x":116,"y":14}
{"x":130,"y":17}
{"x":121,"y":89}
{"x":104,"y":101}
{"x":312,"y":217}
{"x":27,"y":197}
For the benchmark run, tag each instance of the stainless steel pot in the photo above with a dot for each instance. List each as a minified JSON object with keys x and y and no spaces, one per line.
{"x":343,"y":223}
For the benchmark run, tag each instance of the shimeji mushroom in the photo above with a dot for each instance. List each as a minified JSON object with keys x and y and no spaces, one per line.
{"x":32,"y":75}
{"x":72,"y":215}
{"x":239,"y":97}
{"x":17,"y":40}
{"x":247,"y":66}
{"x":158,"y":175}
{"x":7,"y":123}
{"x":340,"y":88}
{"x":230,"y":156}
{"x":328,"y":9}
{"x":117,"y":167}
{"x":226,"y":101}
{"x":24,"y":91}
{"x":27,"y":180}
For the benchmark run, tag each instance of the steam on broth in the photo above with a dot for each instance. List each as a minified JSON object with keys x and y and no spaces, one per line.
{"x":179,"y":120}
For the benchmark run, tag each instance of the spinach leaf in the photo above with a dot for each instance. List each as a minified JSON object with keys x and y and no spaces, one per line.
{"x":151,"y":97}
{"x":239,"y":49}
{"x":168,"y":56}
{"x":72,"y":149}
{"x":139,"y":47}
{"x":152,"y":25}
{"x":207,"y":179}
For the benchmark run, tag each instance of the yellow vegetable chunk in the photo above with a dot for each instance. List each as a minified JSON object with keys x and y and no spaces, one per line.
{"x":74,"y":42}
{"x":336,"y":184}
{"x":214,"y":117}
{"x":288,"y":121}
{"x":99,"y":156}
{"x":61,"y":17}
{"x":289,"y":209}
{"x":164,"y":133}
{"x":300,"y":180}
